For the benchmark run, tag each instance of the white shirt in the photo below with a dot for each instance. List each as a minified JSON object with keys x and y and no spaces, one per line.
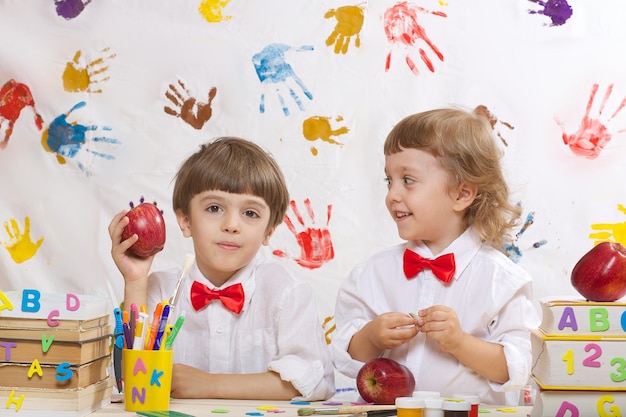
{"x":277,"y":330}
{"x":492,"y":299}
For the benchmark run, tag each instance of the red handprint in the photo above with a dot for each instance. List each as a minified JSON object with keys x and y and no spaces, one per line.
{"x":315,"y":244}
{"x":401,"y":28}
{"x":14,"y":97}
{"x":592,"y":135}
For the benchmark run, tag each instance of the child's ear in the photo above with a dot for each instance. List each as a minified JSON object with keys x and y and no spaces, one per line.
{"x":266,"y":239}
{"x":184,"y":223}
{"x":466,"y":194}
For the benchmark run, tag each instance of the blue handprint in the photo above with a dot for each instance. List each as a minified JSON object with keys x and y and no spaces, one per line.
{"x":273,"y":71}
{"x":67,"y":139}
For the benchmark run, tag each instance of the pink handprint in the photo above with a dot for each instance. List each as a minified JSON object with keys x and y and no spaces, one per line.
{"x":592,"y":135}
{"x":401,"y":28}
{"x":315,"y":243}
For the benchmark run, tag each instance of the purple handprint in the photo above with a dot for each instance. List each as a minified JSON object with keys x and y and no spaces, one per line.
{"x":67,"y":139}
{"x":70,"y":9}
{"x":557,"y":10}
{"x":275,"y":73}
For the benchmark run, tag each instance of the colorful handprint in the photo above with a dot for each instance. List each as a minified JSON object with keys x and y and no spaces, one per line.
{"x":402,"y":29}
{"x":559,"y":11}
{"x":329,"y":327}
{"x":20,"y":246}
{"x":349,"y":25}
{"x":512,"y":250}
{"x":276,"y":74}
{"x":69,"y":140}
{"x":14,"y":97}
{"x":211,"y":10}
{"x":70,"y":9}
{"x":493,"y":121}
{"x":592,"y":135}
{"x":193,"y":112}
{"x":79,"y":76}
{"x":315,"y":243}
{"x":318,"y":127}
{"x":612,"y":232}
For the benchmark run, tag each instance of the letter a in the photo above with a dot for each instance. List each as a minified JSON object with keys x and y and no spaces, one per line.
{"x":6,"y":303}
{"x":568,"y":319}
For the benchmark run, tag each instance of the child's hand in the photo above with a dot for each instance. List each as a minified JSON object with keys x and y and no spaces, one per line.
{"x":441,"y":324}
{"x":132,"y":268}
{"x":189,"y":382}
{"x":390,"y":330}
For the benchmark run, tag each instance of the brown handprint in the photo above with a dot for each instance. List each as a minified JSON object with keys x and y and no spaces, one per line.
{"x":482,"y":110}
{"x":592,"y":135}
{"x":188,"y":108}
{"x":315,"y":244}
{"x":81,"y":77}
{"x":20,"y":246}
{"x":402,"y":29}
{"x":349,"y":24}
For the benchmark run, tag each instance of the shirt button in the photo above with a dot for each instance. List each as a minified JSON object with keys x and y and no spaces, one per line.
{"x":219,"y":330}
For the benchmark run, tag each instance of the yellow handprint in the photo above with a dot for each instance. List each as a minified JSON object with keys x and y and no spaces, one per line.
{"x":81,"y":77}
{"x":318,"y":127}
{"x":211,"y":10}
{"x":20,"y":246}
{"x":349,"y":24}
{"x":615,"y":232}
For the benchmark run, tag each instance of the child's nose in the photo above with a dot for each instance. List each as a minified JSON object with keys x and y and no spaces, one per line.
{"x":231,"y":223}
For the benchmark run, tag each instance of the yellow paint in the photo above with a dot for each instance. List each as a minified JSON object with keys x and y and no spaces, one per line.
{"x":318,"y":127}
{"x":612,"y":232}
{"x":80,"y":77}
{"x":349,"y":24}
{"x":20,"y":246}
{"x":211,"y":10}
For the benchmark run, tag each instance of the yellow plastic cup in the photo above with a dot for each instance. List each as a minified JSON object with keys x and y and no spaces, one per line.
{"x":147,"y":379}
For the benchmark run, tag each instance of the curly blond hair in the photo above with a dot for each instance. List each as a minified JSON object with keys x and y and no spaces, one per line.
{"x":465,"y":144}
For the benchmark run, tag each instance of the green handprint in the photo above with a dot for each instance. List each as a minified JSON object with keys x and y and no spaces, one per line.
{"x":20,"y":246}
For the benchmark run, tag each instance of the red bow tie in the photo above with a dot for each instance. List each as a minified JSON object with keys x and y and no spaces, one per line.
{"x":442,"y":267}
{"x":231,"y":297}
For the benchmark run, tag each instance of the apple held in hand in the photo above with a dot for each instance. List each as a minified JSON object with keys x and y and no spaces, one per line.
{"x":146,"y":220}
{"x":382,"y":380}
{"x":600,"y":275}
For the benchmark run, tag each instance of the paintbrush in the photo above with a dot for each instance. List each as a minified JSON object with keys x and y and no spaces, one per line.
{"x":344,"y":410}
{"x":173,"y":301}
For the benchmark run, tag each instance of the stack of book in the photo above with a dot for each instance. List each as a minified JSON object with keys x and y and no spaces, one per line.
{"x":579,"y":359}
{"x":55,"y":352}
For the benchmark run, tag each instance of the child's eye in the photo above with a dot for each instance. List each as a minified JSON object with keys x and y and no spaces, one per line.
{"x":251,"y":213}
{"x":387,"y":181}
{"x":408,"y":180}
{"x":213,"y":208}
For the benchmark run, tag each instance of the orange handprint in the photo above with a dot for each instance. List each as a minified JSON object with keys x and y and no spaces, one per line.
{"x":192,"y":111}
{"x":315,"y":244}
{"x":20,"y":246}
{"x":81,"y":77}
{"x":349,"y":24}
{"x":612,"y":232}
{"x":592,"y":135}
{"x":318,"y":127}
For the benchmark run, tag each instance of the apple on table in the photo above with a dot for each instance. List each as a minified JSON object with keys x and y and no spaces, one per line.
{"x":382,"y":380}
{"x":146,"y":221}
{"x":600,"y":274}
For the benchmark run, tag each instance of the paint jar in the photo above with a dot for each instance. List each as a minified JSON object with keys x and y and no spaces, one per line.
{"x":474,"y":401}
{"x":147,"y":379}
{"x":455,"y":408}
{"x":410,"y":407}
{"x":432,"y":402}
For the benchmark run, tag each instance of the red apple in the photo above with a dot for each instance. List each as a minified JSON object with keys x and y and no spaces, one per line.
{"x":146,"y":220}
{"x":382,"y":380}
{"x":600,"y":275}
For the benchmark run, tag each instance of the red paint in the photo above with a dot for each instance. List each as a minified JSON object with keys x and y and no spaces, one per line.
{"x":316,"y":246}
{"x":14,"y":97}
{"x":592,"y":135}
{"x":402,"y":28}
